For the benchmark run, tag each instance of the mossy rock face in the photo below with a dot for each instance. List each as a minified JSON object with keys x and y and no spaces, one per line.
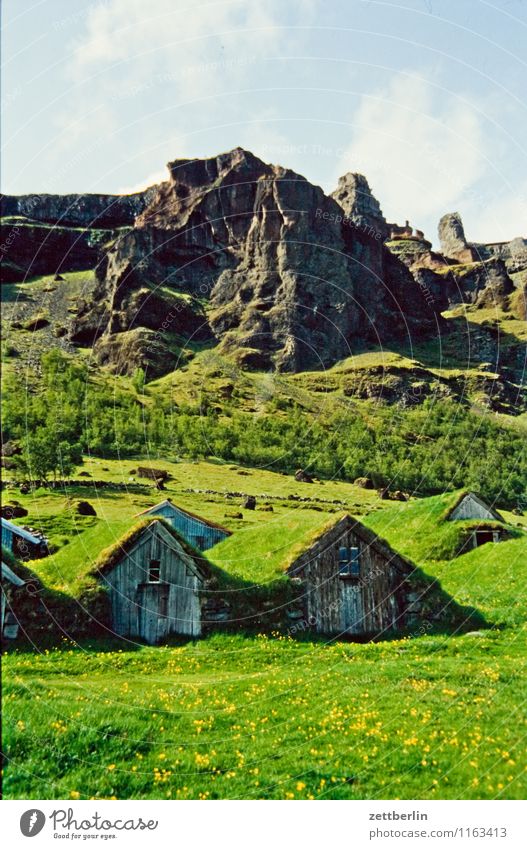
{"x":125,"y":352}
{"x":35,"y":249}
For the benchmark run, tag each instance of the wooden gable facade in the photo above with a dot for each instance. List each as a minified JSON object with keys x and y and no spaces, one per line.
{"x":199,"y":532}
{"x":351,"y":582}
{"x":471,"y":506}
{"x":154,"y":582}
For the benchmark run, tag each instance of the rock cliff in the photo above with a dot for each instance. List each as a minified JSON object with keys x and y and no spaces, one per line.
{"x":287,"y":282}
{"x":250,"y":257}
{"x":76,"y":210}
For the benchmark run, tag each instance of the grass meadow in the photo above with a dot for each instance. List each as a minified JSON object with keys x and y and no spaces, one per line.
{"x":273,"y":716}
{"x":270,"y":717}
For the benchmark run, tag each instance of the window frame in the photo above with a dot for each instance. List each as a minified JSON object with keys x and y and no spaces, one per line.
{"x":154,"y":569}
{"x":349,"y":562}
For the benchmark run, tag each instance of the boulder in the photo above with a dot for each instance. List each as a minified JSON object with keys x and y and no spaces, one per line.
{"x":364,"y":483}
{"x":13,"y":510}
{"x":250,"y":502}
{"x":302,"y":477}
{"x":84,"y":508}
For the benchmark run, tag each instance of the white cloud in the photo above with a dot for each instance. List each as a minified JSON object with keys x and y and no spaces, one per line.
{"x":192,"y":45}
{"x":150,"y":180}
{"x":420,"y":148}
{"x":149,"y":77}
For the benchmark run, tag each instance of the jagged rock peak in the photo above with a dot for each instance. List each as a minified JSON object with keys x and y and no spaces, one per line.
{"x":452,"y":237}
{"x":198,"y":171}
{"x":238,"y":175}
{"x":287,"y":280}
{"x":360,"y":206}
{"x":237,"y":163}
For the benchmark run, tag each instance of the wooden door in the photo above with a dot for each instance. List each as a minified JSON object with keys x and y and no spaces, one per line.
{"x":153,"y":609}
{"x":352,"y":607}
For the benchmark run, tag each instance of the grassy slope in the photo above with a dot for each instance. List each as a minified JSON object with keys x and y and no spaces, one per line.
{"x":50,"y":511}
{"x":259,"y":553}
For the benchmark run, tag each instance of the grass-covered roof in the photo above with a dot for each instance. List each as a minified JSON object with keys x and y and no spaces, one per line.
{"x":460,"y":496}
{"x":78,"y":564}
{"x":338,"y":524}
{"x":421,"y":531}
{"x":111,"y":556}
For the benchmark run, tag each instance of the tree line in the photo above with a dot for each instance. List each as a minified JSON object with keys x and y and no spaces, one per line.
{"x":430,"y":448}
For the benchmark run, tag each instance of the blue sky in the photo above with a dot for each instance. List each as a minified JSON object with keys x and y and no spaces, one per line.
{"x":425,"y":97}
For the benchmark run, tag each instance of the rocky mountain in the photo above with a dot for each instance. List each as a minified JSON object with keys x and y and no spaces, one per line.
{"x":258,"y":259}
{"x":252,"y":258}
{"x":464,"y":272}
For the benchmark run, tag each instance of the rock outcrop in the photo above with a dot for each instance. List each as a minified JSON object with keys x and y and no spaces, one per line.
{"x":251,"y":257}
{"x":452,"y":239}
{"x":455,"y":247}
{"x":484,"y":284}
{"x":32,"y":249}
{"x":125,"y":352}
{"x":361,"y":208}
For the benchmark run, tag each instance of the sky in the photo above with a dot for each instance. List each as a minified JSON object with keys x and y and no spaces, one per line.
{"x":427,"y":98}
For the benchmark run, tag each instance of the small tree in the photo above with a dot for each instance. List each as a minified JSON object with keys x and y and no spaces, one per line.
{"x":45,"y":454}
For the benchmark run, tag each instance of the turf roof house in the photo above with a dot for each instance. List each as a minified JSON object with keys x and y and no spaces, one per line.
{"x":155,"y":580}
{"x":199,"y":532}
{"x":22,"y":543}
{"x":352,"y":582}
{"x":470,"y":506}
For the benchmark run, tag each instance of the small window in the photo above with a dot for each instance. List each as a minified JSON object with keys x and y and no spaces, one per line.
{"x":349,"y":562}
{"x":154,"y":571}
